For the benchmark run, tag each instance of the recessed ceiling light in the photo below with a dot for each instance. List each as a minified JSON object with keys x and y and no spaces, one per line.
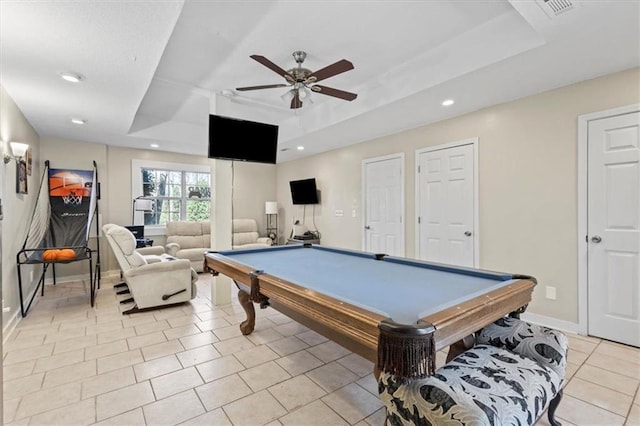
{"x":78,"y":120}
{"x":154,"y":145}
{"x":73,"y":77}
{"x":448,"y":102}
{"x":300,"y":148}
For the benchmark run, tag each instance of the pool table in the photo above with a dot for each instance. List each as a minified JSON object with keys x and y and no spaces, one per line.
{"x":374,"y":305}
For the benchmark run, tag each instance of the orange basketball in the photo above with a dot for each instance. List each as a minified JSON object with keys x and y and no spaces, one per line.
{"x":50,"y":255}
{"x":66,"y":254}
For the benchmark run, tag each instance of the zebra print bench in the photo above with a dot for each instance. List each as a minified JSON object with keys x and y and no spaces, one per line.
{"x":511,"y":377}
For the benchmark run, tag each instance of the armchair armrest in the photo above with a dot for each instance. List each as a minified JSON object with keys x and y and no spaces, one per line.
{"x":153,"y":250}
{"x":264,"y":240}
{"x":172,"y":248}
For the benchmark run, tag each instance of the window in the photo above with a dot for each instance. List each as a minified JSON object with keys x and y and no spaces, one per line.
{"x":177,"y":191}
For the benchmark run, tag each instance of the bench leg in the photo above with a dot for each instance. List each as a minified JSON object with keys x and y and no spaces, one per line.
{"x":460,"y":346}
{"x":551,"y":412}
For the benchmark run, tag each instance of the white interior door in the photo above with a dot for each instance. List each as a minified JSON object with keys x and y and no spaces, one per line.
{"x":445,"y":192}
{"x":614,"y":228}
{"x":383,"y":205}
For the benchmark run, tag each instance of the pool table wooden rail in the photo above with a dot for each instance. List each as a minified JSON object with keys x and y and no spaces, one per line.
{"x":454,"y":323}
{"x":348,"y":325}
{"x":356,"y":328}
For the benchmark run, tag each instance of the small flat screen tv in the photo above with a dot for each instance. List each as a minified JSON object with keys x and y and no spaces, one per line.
{"x":242,"y":140}
{"x":304,"y":191}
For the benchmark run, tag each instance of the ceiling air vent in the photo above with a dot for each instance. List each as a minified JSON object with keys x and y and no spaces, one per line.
{"x":555,"y":8}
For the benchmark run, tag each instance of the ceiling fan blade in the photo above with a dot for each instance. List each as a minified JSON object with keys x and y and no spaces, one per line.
{"x":296,"y":102}
{"x":337,"y":93}
{"x":273,"y":67}
{"x":266,"y":86}
{"x":330,"y":70}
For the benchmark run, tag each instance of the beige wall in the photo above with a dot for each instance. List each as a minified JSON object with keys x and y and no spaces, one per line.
{"x":527,"y":181}
{"x":337,"y":175}
{"x":118,"y":185}
{"x":253,"y":185}
{"x":18,"y":208}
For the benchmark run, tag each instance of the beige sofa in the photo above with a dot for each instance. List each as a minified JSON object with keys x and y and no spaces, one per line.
{"x":245,"y":235}
{"x":189,"y":240}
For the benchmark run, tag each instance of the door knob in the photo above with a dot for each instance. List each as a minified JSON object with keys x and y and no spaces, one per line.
{"x":467,"y":233}
{"x":596,"y":239}
{"x":367,"y":227}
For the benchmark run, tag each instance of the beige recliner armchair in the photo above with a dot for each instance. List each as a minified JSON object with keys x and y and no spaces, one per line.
{"x":245,"y":235}
{"x":189,"y":240}
{"x":166,"y":281}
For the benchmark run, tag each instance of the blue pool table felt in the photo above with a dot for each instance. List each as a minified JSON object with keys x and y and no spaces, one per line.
{"x":401,"y":289}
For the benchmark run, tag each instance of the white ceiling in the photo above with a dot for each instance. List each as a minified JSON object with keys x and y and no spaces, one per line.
{"x":155,"y":70}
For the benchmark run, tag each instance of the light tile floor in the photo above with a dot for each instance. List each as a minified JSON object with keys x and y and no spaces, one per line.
{"x":69,"y":364}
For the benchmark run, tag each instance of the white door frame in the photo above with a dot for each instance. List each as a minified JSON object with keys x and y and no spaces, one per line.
{"x":366,"y":161}
{"x":476,"y":217}
{"x":583,"y":138}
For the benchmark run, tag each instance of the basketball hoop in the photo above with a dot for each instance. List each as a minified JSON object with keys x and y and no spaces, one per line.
{"x":72,"y":198}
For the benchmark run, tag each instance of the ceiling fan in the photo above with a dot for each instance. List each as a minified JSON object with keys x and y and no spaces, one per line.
{"x":301,"y":80}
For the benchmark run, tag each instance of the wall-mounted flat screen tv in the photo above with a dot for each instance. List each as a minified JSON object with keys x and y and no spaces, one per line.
{"x":242,"y":140}
{"x":304,"y":191}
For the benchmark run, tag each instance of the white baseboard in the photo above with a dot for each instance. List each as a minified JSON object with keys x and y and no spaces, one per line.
{"x":82,"y":277}
{"x":67,"y":279}
{"x":10,"y":326}
{"x":550,"y":322}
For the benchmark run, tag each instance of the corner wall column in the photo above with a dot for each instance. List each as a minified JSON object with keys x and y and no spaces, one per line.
{"x":221,"y":211}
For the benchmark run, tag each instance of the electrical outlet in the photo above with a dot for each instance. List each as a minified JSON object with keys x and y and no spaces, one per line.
{"x":551,"y":293}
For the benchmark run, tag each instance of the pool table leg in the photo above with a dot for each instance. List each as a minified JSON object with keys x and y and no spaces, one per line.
{"x":247,"y":326}
{"x":460,"y":346}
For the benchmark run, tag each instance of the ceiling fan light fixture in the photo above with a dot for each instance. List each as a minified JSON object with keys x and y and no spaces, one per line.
{"x":299,"y":80}
{"x":288,"y":96}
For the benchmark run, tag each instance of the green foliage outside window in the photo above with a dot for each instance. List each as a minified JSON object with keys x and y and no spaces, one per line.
{"x":177,"y":195}
{"x":198,"y":210}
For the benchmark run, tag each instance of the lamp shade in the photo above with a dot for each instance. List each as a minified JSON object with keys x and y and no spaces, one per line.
{"x":144,"y":205}
{"x":271,"y":207}
{"x":18,"y":149}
